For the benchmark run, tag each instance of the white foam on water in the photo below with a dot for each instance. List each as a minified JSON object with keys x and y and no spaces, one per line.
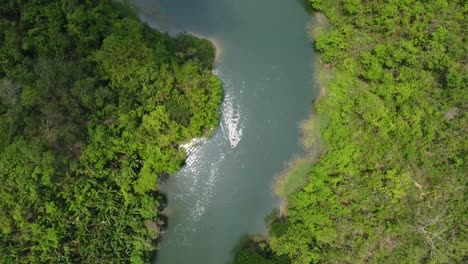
{"x":232,"y":123}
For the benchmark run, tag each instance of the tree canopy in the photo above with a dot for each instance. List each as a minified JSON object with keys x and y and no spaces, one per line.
{"x":390,"y":185}
{"x":93,"y":108}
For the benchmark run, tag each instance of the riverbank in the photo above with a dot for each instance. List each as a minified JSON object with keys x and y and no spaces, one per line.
{"x":295,"y":174}
{"x":392,"y":168}
{"x":392,"y":173}
{"x":216,"y":43}
{"x":218,"y":47}
{"x":225,"y":192}
{"x":96,"y":115}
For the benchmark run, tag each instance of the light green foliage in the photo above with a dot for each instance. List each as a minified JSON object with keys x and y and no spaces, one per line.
{"x":294,"y":177}
{"x":93,"y":107}
{"x":390,"y":186}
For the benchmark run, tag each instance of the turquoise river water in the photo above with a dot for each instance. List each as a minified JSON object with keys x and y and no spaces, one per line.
{"x":265,"y":63}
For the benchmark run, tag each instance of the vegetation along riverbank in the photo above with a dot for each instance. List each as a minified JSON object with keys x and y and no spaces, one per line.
{"x":390,"y":184}
{"x":93,"y":107}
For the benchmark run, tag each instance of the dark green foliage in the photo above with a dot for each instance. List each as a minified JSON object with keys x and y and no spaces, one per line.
{"x":204,"y":51}
{"x":93,"y":107}
{"x":258,"y":252}
{"x":390,"y":186}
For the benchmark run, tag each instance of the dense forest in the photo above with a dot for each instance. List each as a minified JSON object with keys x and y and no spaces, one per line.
{"x":93,"y":107}
{"x":390,"y":184}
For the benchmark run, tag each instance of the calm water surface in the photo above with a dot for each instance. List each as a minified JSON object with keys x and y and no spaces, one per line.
{"x":265,"y":64}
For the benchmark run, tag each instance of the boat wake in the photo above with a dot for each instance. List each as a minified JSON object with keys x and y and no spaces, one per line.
{"x":232,"y":118}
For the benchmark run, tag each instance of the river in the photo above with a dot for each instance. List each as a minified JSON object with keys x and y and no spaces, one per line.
{"x":265,"y":63}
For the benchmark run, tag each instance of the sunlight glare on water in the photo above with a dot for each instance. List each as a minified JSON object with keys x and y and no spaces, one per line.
{"x":224,"y":191}
{"x":196,"y":186}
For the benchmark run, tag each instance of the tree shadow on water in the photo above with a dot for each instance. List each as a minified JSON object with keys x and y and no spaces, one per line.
{"x":307,"y":6}
{"x":241,"y":244}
